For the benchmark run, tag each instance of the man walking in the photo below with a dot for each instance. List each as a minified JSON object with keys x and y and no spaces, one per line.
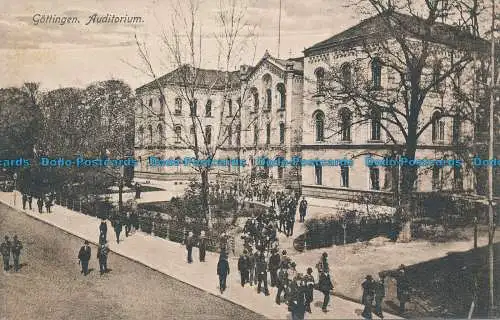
{"x":102,"y":256}
{"x":30,"y":201}
{"x":303,"y":209}
{"x":282,"y":283}
{"x":243,"y":267}
{"x":5,"y":249}
{"x":16,"y":252}
{"x":202,"y":246}
{"x":403,"y":289}
{"x":128,"y":224}
{"x":379,"y":296}
{"x":84,"y":257}
{"x":25,"y":200}
{"x":39,"y":203}
{"x":252,"y":262}
{"x":222,"y":271}
{"x":274,"y":264}
{"x":309,"y":283}
{"x":325,"y":286}
{"x":48,"y":202}
{"x":262,"y":273}
{"x":117,"y":225}
{"x":189,"y":247}
{"x":368,"y":296}
{"x":103,"y":231}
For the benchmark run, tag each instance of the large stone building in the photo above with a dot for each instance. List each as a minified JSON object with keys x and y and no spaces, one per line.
{"x":287,"y":111}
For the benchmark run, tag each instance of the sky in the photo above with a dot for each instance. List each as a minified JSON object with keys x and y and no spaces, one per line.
{"x":78,"y":54}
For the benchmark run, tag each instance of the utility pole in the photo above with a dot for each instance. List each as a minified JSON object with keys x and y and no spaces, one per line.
{"x":491,"y":215}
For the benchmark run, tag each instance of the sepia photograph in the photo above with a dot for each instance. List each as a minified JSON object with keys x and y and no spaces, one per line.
{"x":249,"y":159}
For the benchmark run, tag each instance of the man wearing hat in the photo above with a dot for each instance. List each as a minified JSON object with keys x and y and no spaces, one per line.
{"x":379,"y":295}
{"x":102,"y":255}
{"x":189,"y":247}
{"x":5,"y":249}
{"x":202,"y":246}
{"x":309,"y":284}
{"x":368,"y":296}
{"x":244,"y":267}
{"x":84,"y":257}
{"x":16,"y":252}
{"x":274,"y":264}
{"x":325,"y":286}
{"x":403,"y":288}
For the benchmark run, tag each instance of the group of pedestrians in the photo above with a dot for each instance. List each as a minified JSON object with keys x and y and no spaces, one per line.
{"x":46,"y":199}
{"x":8,"y":248}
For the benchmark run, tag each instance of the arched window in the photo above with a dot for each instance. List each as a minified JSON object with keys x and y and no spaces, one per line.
{"x":376,"y":73}
{"x":375,"y":119}
{"x":345,"y":124}
{"x":178,"y":106}
{"x":344,"y":176}
{"x":141,"y":136}
{"x":436,"y":77}
{"x":150,"y":103}
{"x":255,"y":134}
{"x":229,"y":135}
{"x":178,"y":132}
{"x":374,"y":178}
{"x":282,"y":94}
{"x":457,"y":128}
{"x":318,"y":174}
{"x":255,"y":96}
{"x":150,"y":132}
{"x":238,"y":134}
{"x":230,"y":107}
{"x":320,"y":80}
{"x":269,"y":99}
{"x":162,"y":105}
{"x":268,"y":133}
{"x":208,"y":108}
{"x":437,"y":127}
{"x":437,"y":178}
{"x":282,"y":133}
{"x":208,"y":134}
{"x":193,"y":108}
{"x":319,"y":125}
{"x":161,"y":134}
{"x":346,"y":74}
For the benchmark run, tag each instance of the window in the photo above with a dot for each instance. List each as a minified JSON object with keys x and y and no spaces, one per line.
{"x":320,"y":80}
{"x":150,"y":131}
{"x":208,"y":135}
{"x":192,"y":132}
{"x":458,"y":182}
{"x":255,"y":134}
{"x":269,"y":98}
{"x":208,"y":108}
{"x":268,"y":133}
{"x":162,"y":105}
{"x":228,"y":160}
{"x":177,"y":131}
{"x":229,"y":135}
{"x":345,"y":124}
{"x":437,"y":127}
{"x":150,"y":103}
{"x":255,"y":96}
{"x":319,"y":119}
{"x":456,"y":129}
{"x":436,"y":75}
{"x":193,"y":108}
{"x":375,"y":125}
{"x":280,"y":172}
{"x":161,"y":134}
{"x":282,"y":133}
{"x":238,"y":134}
{"x":318,"y":174}
{"x":376,"y":73}
{"x":344,"y":176}
{"x":374,"y":178}
{"x":282,"y":95}
{"x":437,"y":178}
{"x":230,"y":107}
{"x":346,"y":74}
{"x":178,"y":106}
{"x":141,"y":136}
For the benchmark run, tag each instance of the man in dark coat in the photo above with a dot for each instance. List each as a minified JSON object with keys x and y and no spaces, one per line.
{"x":403,"y":289}
{"x":128,"y":223}
{"x":189,"y":247}
{"x":25,"y":200}
{"x":117,"y":225}
{"x":48,"y":202}
{"x":303,"y":209}
{"x":137,"y":190}
{"x":222,"y":271}
{"x":103,"y":230}
{"x":274,"y":264}
{"x":244,"y":267}
{"x":84,"y":256}
{"x":297,"y":300}
{"x":325,"y":286}
{"x":39,"y":203}
{"x":5,"y":249}
{"x":262,"y":273}
{"x":30,"y":201}
{"x":202,"y":246}
{"x":379,"y":296}
{"x":282,"y":283}
{"x":368,"y":296}
{"x":16,"y":248}
{"x":309,"y":283}
{"x":102,"y":256}
{"x":252,"y":261}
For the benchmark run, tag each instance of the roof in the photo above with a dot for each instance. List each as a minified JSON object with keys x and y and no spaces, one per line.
{"x":410,"y":25}
{"x":205,"y":78}
{"x":297,"y":64}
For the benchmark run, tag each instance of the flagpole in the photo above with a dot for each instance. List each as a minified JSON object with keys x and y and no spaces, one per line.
{"x":279,"y":32}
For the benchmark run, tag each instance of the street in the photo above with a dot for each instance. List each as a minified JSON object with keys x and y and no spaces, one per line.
{"x":50,"y":286}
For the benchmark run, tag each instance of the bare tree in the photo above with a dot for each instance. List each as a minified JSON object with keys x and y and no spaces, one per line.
{"x":183,"y":45}
{"x":408,"y":45}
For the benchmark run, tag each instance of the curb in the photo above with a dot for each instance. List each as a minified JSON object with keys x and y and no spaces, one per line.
{"x":129,"y":258}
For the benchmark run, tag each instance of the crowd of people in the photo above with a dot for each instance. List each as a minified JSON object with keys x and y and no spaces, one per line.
{"x":8,"y":248}
{"x":46,"y":200}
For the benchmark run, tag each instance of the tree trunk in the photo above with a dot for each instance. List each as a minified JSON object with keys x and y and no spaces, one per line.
{"x":405,"y":212}
{"x":205,"y":195}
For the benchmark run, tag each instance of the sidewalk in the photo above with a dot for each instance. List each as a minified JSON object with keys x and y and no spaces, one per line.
{"x":170,"y":258}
